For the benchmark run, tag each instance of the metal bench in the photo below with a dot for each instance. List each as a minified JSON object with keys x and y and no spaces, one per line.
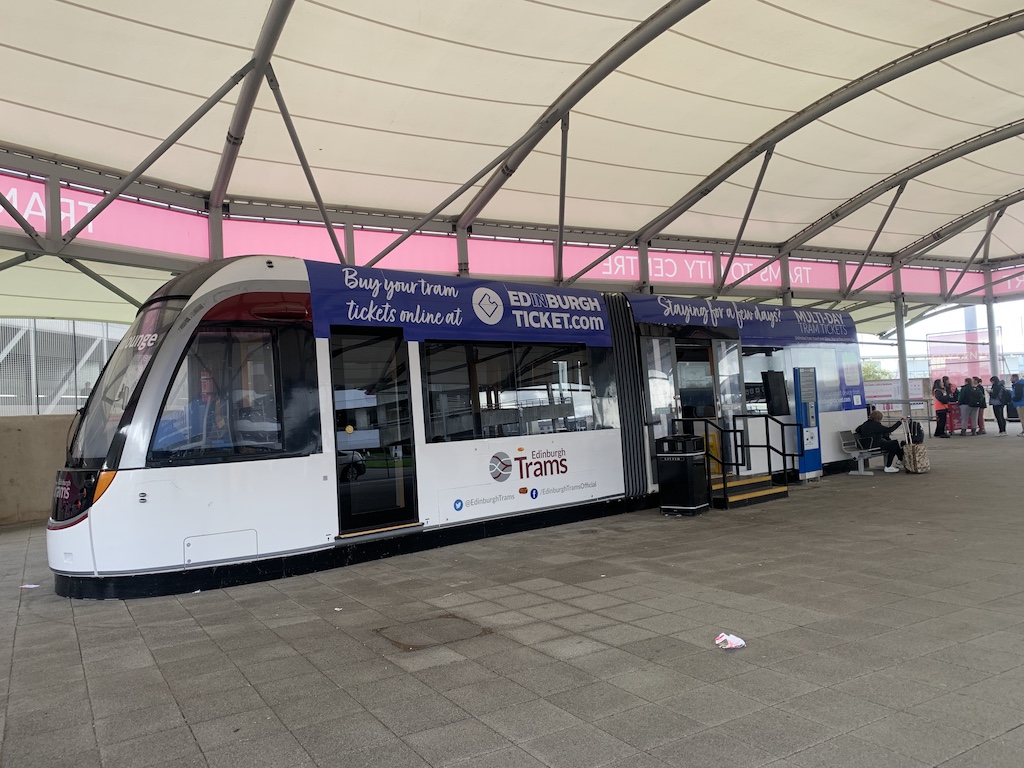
{"x":852,"y":447}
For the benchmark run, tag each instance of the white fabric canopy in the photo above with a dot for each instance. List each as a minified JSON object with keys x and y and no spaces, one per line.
{"x":398,"y":103}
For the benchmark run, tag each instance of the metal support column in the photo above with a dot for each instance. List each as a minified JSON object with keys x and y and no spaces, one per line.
{"x":350,"y":243}
{"x":559,"y":263}
{"x":215,"y":232}
{"x":787,"y":281}
{"x":993,"y":336}
{"x":32,"y":371}
{"x":462,"y":245}
{"x":643,"y":267}
{"x":54,"y":214}
{"x":901,"y":337}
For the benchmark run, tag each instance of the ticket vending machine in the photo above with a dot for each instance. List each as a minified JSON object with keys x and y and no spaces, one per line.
{"x":806,"y":391}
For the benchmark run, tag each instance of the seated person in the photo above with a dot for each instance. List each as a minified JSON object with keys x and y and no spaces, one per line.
{"x":873,"y":434}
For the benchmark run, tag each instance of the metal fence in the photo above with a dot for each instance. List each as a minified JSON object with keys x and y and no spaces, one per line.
{"x":50,"y":366}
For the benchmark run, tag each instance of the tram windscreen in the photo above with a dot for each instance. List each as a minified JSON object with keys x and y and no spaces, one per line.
{"x":117,"y":384}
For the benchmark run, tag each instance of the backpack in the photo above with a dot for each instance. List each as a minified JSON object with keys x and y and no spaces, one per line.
{"x":916,"y":433}
{"x":977,"y":397}
{"x":1005,"y":398}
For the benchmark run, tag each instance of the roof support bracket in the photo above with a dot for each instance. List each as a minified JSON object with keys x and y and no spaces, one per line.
{"x":990,"y":29}
{"x":1003,"y":279}
{"x":653,"y":26}
{"x":103,"y":281}
{"x":746,"y":217}
{"x":275,"y":88}
{"x":922,"y":245}
{"x":155,"y":155}
{"x":24,"y":258}
{"x":993,"y":218}
{"x":15,"y":214}
{"x":874,"y":239}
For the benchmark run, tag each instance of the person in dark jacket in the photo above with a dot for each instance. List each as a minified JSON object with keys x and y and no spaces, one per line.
{"x":968,"y":411}
{"x":999,"y":398}
{"x":1017,"y":398}
{"x":874,"y":434}
{"x":942,"y":401}
{"x":979,"y":403}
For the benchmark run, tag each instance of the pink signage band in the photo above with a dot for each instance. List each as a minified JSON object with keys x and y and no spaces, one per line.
{"x":158,"y":228}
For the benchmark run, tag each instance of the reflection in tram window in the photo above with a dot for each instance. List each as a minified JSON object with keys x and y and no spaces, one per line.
{"x":223,"y":401}
{"x":477,"y":391}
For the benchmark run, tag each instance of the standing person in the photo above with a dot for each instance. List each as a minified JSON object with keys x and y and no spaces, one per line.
{"x":998,"y":397}
{"x":873,"y":434}
{"x":942,"y":399}
{"x":968,"y":411}
{"x":1017,"y":398}
{"x":953,"y":409}
{"x":979,"y":403}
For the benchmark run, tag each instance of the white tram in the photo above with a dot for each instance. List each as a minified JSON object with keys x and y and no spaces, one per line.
{"x":266,"y":416}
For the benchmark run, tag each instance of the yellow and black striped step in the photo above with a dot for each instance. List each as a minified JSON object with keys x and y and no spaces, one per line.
{"x":746,"y":490}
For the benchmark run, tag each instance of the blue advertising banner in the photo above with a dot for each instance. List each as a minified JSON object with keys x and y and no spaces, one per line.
{"x":446,"y":308}
{"x":758,"y":324}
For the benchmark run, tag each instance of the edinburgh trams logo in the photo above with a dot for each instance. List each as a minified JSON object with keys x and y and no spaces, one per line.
{"x":532,"y":464}
{"x":500,"y":467}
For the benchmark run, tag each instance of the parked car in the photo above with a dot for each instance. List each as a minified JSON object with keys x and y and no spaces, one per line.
{"x":351,"y":465}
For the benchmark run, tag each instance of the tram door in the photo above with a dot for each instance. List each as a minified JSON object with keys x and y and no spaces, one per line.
{"x":689,"y":380}
{"x":373,"y":426}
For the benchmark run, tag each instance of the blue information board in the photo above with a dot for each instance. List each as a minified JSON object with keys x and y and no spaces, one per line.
{"x":806,"y":391}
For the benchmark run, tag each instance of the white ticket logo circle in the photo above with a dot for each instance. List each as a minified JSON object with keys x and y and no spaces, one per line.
{"x":488,"y":306}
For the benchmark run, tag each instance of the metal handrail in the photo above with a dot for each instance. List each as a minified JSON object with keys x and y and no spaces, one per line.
{"x":722,"y":431}
{"x":770,"y":449}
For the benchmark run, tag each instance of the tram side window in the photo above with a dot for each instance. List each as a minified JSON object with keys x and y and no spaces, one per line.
{"x":224,"y":401}
{"x":475,"y":391}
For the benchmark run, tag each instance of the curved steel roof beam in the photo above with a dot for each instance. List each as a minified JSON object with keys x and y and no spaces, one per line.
{"x":919,"y":168}
{"x":660,"y":21}
{"x":921,"y":246}
{"x":929,"y":54}
{"x":985,"y":32}
{"x":273,"y":25}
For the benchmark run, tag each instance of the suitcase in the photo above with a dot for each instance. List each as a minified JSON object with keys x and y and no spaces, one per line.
{"x":915,"y":459}
{"x":915,"y":455}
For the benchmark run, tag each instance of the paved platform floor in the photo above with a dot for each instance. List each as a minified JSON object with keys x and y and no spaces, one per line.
{"x":884,"y":619}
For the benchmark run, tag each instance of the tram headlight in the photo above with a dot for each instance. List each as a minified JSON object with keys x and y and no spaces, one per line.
{"x":102,"y":483}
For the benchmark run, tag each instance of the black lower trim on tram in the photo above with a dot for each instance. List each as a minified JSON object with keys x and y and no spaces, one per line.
{"x":220,"y":576}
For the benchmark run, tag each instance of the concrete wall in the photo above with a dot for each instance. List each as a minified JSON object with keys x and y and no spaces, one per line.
{"x":31,"y":452}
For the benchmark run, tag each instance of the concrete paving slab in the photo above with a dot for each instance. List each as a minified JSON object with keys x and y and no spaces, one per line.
{"x":884,"y":619}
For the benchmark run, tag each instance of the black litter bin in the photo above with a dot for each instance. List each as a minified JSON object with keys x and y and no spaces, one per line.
{"x":682,"y":475}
